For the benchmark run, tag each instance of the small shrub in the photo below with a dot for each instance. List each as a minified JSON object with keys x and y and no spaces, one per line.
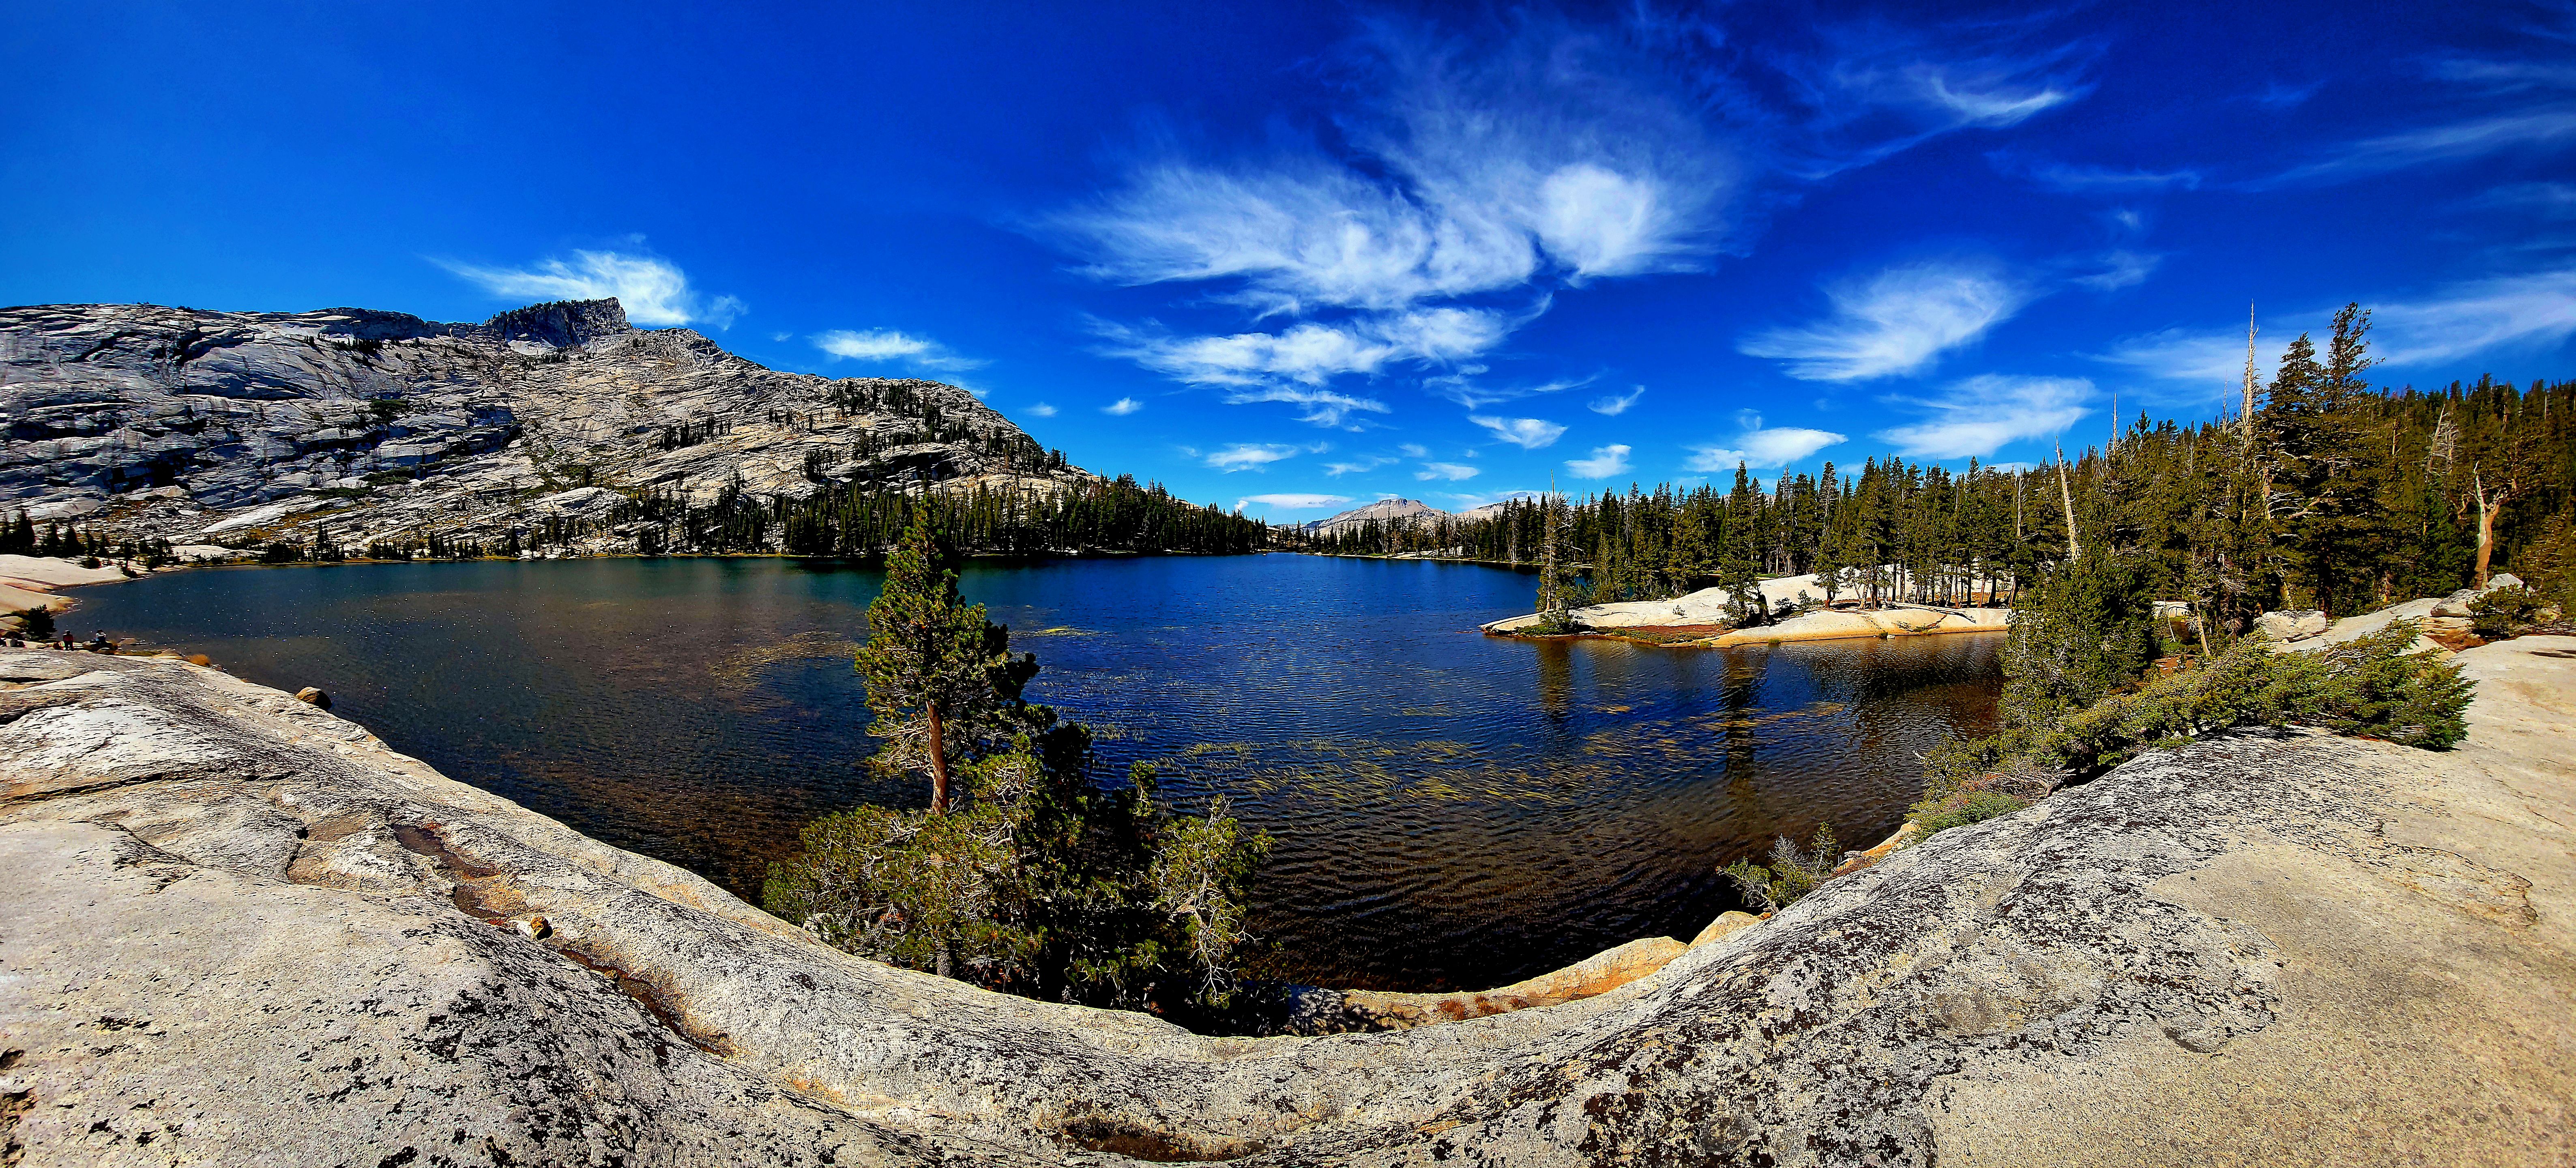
{"x":38,"y":622}
{"x":2502,"y":612}
{"x":1794,"y":872}
{"x":2372,"y":686}
{"x":1962,"y":808}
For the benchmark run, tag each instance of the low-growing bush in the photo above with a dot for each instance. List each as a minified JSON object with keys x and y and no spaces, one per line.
{"x":2372,"y":686}
{"x":2502,"y":612}
{"x":1961,"y":808}
{"x":1794,"y":872}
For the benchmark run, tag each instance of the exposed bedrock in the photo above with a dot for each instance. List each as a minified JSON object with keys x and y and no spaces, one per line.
{"x":235,"y":928}
{"x":240,"y":427}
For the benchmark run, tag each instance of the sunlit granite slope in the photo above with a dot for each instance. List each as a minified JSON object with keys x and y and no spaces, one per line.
{"x":234,"y":427}
{"x":237,"y":929}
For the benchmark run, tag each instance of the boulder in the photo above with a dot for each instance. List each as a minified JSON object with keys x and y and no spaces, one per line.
{"x":2293,"y":625}
{"x":313,"y":696}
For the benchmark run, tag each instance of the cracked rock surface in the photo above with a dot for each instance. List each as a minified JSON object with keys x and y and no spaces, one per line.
{"x":237,"y":929}
{"x":236,"y":428}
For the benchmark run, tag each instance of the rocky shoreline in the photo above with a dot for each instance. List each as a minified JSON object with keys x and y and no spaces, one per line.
{"x":1700,"y":619}
{"x":224,"y":905}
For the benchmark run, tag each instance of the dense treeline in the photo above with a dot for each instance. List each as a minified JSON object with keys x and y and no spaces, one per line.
{"x":2331,"y":495}
{"x":20,"y":536}
{"x":858,"y":522}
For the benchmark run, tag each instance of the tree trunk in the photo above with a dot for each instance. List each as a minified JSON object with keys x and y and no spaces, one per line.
{"x":2066,"y":494}
{"x":2486,"y":523}
{"x":2486,"y":538}
{"x":938,"y":769}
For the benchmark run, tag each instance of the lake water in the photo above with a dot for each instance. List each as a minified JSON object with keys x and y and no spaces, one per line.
{"x":1450,"y":810}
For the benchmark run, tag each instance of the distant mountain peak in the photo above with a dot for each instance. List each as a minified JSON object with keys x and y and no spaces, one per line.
{"x":1389,"y":510}
{"x":562,"y":323}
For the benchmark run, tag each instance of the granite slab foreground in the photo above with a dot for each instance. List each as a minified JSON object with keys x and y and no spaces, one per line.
{"x":235,"y":929}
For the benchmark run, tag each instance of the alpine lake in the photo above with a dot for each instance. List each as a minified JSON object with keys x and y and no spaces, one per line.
{"x":1449,"y":810}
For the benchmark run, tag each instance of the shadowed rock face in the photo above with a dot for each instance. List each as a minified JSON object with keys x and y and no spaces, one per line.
{"x":241,"y":928}
{"x":238,"y":427}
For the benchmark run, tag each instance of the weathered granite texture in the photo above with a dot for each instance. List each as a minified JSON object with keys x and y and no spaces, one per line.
{"x":234,"y":427}
{"x":237,"y":929}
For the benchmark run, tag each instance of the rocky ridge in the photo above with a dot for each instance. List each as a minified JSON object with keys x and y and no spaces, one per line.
{"x":219,"y":906}
{"x":238,"y":428}
{"x":1403,"y":511}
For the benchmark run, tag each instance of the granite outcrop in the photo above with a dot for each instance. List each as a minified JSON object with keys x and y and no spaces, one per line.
{"x":235,"y":928}
{"x":236,"y":428}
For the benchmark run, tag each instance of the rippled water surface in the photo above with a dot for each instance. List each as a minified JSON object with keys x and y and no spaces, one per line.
{"x":1450,"y":810}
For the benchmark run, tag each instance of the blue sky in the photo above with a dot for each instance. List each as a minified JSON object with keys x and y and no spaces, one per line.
{"x":1308,"y":257}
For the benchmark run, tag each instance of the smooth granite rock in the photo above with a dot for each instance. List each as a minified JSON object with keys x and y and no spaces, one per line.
{"x":237,"y":929}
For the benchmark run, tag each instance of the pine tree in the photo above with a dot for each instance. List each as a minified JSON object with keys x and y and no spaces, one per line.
{"x":937,"y":671}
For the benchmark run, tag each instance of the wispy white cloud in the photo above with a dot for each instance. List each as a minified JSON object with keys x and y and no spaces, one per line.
{"x":1605,"y":462}
{"x":1510,"y":159}
{"x":1122,"y":407}
{"x":2282,"y":95}
{"x":2121,"y":268}
{"x":2077,"y":178}
{"x":1446,"y":471}
{"x":1470,"y":501}
{"x":1293,"y":502}
{"x":1311,"y":354}
{"x":2551,"y":200}
{"x":1414,"y":450}
{"x":653,"y":290}
{"x":2528,"y":313}
{"x":1467,"y":388}
{"x":886,"y":346}
{"x":1758,"y":446}
{"x":2498,"y":315}
{"x":1360,"y":464}
{"x":1615,"y":404}
{"x":2527,"y":112}
{"x":2527,"y":131}
{"x":1878,"y":88}
{"x":1042,"y":410}
{"x":1526,"y":433}
{"x":1252,"y":455}
{"x":1976,"y":416}
{"x":1323,"y":406}
{"x":1898,"y":321}
{"x":1474,"y":165}
{"x":2213,"y":359}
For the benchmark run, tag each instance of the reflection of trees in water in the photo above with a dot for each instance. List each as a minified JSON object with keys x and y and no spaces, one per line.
{"x":1556,"y":679}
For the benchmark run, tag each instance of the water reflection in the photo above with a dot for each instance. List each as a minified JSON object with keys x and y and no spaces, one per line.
{"x":1450,"y":809}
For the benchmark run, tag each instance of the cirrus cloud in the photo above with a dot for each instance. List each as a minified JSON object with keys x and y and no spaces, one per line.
{"x":1293,"y":502}
{"x":1898,"y":321}
{"x":1757,"y":446}
{"x":1251,"y":456}
{"x":1605,"y":462}
{"x":1977,"y":416}
{"x":1526,"y":433}
{"x":653,"y":290}
{"x":889,"y":346}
